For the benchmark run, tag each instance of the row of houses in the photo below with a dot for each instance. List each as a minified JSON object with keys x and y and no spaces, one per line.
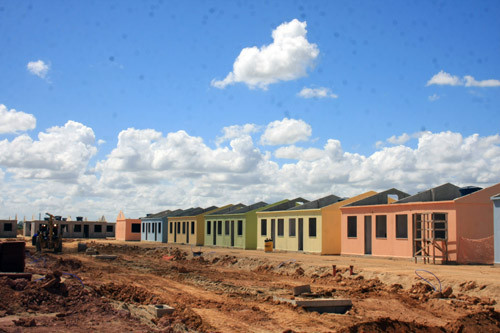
{"x":79,"y":228}
{"x":445,"y":223}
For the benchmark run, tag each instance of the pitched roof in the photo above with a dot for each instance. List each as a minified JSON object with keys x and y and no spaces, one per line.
{"x":250,"y":208}
{"x":319,"y":203}
{"x":381,"y":198}
{"x":439,"y":193}
{"x":286,"y":205}
{"x":227,"y":210}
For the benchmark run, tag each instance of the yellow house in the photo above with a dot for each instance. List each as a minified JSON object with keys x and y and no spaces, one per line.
{"x":310,"y":227}
{"x":189,"y":226}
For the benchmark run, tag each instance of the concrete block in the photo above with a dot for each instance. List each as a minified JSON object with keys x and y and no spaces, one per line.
{"x":159,"y":310}
{"x":301,"y":289}
{"x":105,"y":256}
{"x":321,"y":305}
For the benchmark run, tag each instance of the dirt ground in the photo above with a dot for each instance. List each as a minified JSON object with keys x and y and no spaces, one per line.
{"x":228,"y":290}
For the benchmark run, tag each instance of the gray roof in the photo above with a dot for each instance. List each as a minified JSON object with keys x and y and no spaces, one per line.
{"x":439,"y":193}
{"x":319,"y":203}
{"x":197,"y":211}
{"x":165,"y":213}
{"x":228,"y":209}
{"x":286,"y":205}
{"x":381,"y":198}
{"x":250,"y":208}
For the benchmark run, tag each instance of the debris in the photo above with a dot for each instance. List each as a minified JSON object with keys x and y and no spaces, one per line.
{"x":159,"y":310}
{"x":105,"y":256}
{"x":301,"y":289}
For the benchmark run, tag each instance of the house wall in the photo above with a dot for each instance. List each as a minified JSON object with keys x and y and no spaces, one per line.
{"x":287,"y":242}
{"x":496,"y":231}
{"x":124,"y":230}
{"x":181,"y":237}
{"x":154,"y":230}
{"x":392,"y":246}
{"x":224,"y":239}
{"x":4,"y":224}
{"x":332,"y":221}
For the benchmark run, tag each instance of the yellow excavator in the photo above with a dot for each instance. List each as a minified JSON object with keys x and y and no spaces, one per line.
{"x":49,"y":235}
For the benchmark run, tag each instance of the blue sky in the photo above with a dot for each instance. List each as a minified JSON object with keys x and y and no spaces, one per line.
{"x":389,"y":68}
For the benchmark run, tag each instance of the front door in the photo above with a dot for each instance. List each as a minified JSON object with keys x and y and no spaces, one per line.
{"x":175,"y":231}
{"x":368,"y":235}
{"x":273,"y":232}
{"x":232,"y":233}
{"x":301,"y":235}
{"x":214,"y":232}
{"x":86,"y":231}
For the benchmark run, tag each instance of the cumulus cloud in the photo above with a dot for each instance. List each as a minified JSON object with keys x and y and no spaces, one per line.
{"x":285,"y":132}
{"x":38,"y":68}
{"x":62,"y":152}
{"x":399,"y":140}
{"x":471,"y":82}
{"x":287,"y":58}
{"x":235,"y":131}
{"x":443,"y":78}
{"x":12,"y":121}
{"x":298,"y":153}
{"x":321,"y":92}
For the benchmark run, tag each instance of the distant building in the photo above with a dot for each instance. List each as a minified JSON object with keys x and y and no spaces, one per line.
{"x":74,"y":229}
{"x":8,"y":228}
{"x":127,"y":229}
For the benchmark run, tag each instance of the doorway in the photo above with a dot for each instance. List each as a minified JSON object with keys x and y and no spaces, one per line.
{"x":187,"y":232}
{"x":301,"y":234}
{"x":232,"y":233}
{"x":368,"y":235}
{"x":175,"y":231}
{"x":214,"y":232}
{"x":86,"y":231}
{"x":273,"y":232}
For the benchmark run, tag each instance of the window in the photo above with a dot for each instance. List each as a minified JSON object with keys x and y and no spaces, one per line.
{"x":226,"y":227}
{"x":7,"y":227}
{"x":183,"y":227}
{"x":263,"y":227}
{"x":401,"y":226}
{"x":219,"y":227}
{"x":77,"y":228}
{"x":240,"y":228}
{"x":208,"y":227}
{"x":143,"y":227}
{"x":109,"y":228}
{"x":381,"y":226}
{"x":439,"y":225}
{"x":178,"y":227}
{"x":291,"y":227}
{"x":171,"y":224}
{"x":312,"y":227}
{"x":153,"y":226}
{"x":192,"y":227}
{"x":97,"y":228}
{"x":352,"y":226}
{"x":159,"y":227}
{"x":149,"y":227}
{"x":281,"y":227}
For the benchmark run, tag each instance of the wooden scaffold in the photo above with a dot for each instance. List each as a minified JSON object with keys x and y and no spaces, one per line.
{"x":430,"y":236}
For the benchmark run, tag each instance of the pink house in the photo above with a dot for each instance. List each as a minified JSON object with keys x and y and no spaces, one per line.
{"x":446,"y":223}
{"x":127,"y":229}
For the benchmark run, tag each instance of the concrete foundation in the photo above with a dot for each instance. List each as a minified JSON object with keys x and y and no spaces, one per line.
{"x":161,"y":309}
{"x":320,"y":305}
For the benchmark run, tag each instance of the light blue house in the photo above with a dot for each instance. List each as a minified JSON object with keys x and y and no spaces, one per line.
{"x":496,"y":226}
{"x":154,"y":226}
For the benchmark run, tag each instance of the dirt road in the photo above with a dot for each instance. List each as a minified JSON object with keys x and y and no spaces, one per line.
{"x":229,"y":290}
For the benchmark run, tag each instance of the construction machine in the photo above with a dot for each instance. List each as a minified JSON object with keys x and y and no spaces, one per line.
{"x":49,"y":236}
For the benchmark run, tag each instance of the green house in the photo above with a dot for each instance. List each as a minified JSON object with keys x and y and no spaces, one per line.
{"x":235,"y":227}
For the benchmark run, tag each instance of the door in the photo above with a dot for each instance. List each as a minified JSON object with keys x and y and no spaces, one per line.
{"x":368,"y":235}
{"x":175,"y":231}
{"x":187,"y":232}
{"x":214,"y":232}
{"x":155,"y":229}
{"x":86,"y":231}
{"x":273,"y":232}
{"x":301,"y":235}
{"x":232,"y":233}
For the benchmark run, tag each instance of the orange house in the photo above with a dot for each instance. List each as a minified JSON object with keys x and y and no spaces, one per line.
{"x":447,"y":223}
{"x":127,"y":229}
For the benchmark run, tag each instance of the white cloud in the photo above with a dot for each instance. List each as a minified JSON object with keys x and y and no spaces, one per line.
{"x":101,"y":142}
{"x":471,"y":82}
{"x":443,"y":78}
{"x":12,"y":121}
{"x":287,"y":58}
{"x":38,"y":68}
{"x":286,"y":131}
{"x":434,"y":97}
{"x":235,"y":131}
{"x":297,"y":153}
{"x":399,"y":140}
{"x":321,"y":92}
{"x":59,"y":153}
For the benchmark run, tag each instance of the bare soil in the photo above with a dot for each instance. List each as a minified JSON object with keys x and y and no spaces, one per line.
{"x":228,"y":290}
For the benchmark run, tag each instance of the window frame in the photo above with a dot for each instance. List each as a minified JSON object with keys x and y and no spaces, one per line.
{"x":292,"y":222}
{"x":310,"y":223}
{"x":398,"y":228}
{"x":382,"y":221}
{"x":350,"y":223}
